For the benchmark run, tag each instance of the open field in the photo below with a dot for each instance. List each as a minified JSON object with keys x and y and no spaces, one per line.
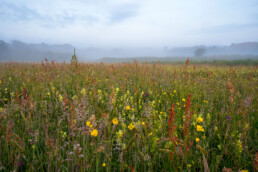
{"x":128,"y":117}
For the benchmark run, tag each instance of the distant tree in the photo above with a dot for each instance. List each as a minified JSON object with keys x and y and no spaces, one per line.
{"x":3,"y":46}
{"x":199,"y":52}
{"x":3,"y":50}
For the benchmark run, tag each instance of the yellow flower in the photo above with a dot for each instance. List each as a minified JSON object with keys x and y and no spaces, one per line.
{"x":83,"y":91}
{"x":131,"y":126}
{"x":120,"y":133}
{"x":60,"y":98}
{"x":0,"y":82}
{"x":115,"y":121}
{"x":128,"y":108}
{"x":88,"y":123}
{"x":61,"y":132}
{"x":197,"y":139}
{"x":143,"y":123}
{"x":91,"y":126}
{"x":150,"y":133}
{"x":199,"y":119}
{"x":174,"y":91}
{"x":244,"y":170}
{"x":94,"y":133}
{"x":104,"y":165}
{"x":200,"y":128}
{"x":183,"y":100}
{"x":48,"y":93}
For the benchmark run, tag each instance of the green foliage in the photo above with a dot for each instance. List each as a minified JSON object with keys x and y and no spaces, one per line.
{"x":114,"y":117}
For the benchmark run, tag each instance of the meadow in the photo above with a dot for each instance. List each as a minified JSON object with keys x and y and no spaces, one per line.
{"x":128,"y":117}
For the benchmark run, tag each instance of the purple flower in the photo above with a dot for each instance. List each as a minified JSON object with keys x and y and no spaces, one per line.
{"x":228,"y":117}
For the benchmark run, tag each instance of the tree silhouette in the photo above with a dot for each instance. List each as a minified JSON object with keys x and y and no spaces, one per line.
{"x":199,"y":52}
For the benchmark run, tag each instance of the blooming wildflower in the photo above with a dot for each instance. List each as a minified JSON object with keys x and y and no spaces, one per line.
{"x":197,"y":139}
{"x":0,"y":82}
{"x":94,"y":133}
{"x":48,"y":93}
{"x":228,"y":117}
{"x":143,"y":123}
{"x":104,"y":165}
{"x":74,"y":97}
{"x":199,"y":119}
{"x":61,"y":132}
{"x":183,"y":100}
{"x":174,"y":91}
{"x":131,"y":126}
{"x":115,"y":121}
{"x":117,"y":89}
{"x":200,"y":128}
{"x":150,"y":133}
{"x":60,"y":98}
{"x":83,"y":91}
{"x":120,"y":133}
{"x":128,"y":108}
{"x":244,"y":170}
{"x":88,"y":123}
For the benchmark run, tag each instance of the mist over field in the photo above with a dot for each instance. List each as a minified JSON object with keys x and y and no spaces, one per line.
{"x":20,"y":51}
{"x":32,"y":30}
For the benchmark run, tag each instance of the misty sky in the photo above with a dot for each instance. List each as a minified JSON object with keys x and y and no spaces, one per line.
{"x":129,"y":23}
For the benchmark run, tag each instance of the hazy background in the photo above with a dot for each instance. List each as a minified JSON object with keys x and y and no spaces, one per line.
{"x":32,"y":30}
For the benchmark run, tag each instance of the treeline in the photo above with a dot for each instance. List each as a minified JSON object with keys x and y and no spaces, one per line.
{"x":20,"y":51}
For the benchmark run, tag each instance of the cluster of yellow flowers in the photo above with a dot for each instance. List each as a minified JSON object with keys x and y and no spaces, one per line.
{"x":88,"y":123}
{"x":131,"y":126}
{"x":200,"y":128}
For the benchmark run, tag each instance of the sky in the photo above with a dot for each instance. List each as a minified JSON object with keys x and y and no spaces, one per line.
{"x":129,"y":23}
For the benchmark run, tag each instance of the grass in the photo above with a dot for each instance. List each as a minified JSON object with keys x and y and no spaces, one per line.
{"x":127,"y":117}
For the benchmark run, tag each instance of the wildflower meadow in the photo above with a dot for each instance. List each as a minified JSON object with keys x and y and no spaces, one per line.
{"x":128,"y":117}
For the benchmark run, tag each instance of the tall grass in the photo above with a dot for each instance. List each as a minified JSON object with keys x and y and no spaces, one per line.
{"x":127,"y":117}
